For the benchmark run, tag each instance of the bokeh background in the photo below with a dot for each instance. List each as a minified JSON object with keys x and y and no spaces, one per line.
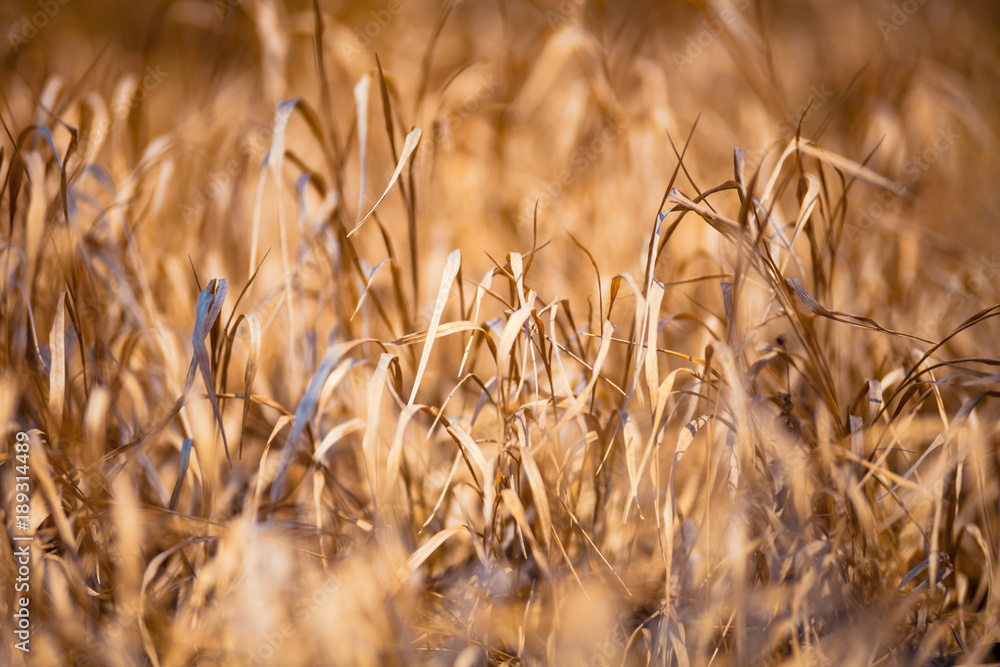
{"x":542,"y":121}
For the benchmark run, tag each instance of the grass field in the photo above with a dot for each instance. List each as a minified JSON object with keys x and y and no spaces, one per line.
{"x":527,"y":332}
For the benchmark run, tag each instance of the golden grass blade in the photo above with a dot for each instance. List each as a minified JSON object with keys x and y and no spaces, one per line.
{"x":851,"y":168}
{"x":516,"y":509}
{"x":444,"y":492}
{"x":370,"y":442}
{"x":856,"y":426}
{"x":337,"y":434}
{"x":35,"y":225}
{"x":409,"y":146}
{"x":656,"y":433}
{"x":279,"y":424}
{"x":368,"y":283}
{"x":303,"y":411}
{"x":481,"y":289}
{"x":581,"y":399}
{"x":600,"y":287}
{"x":725,"y":226}
{"x":629,"y":438}
{"x":417,"y":559}
{"x":511,"y":331}
{"x":63,"y":180}
{"x":687,"y":434}
{"x":535,"y":480}
{"x":395,"y":455}
{"x":57,"y":371}
{"x":255,"y":225}
{"x":182,"y":467}
{"x":274,"y":162}
{"x":472,"y":453}
{"x":361,"y":101}
{"x":15,"y":177}
{"x":639,"y":314}
{"x":560,"y":382}
{"x":517,"y":268}
{"x":654,"y":301}
{"x":319,"y":482}
{"x":209,"y":307}
{"x":425,"y":64}
{"x":675,"y":634}
{"x":396,"y":450}
{"x":319,"y":32}
{"x":600,"y":555}
{"x":809,"y":200}
{"x":250,"y":373}
{"x":844,"y":318}
{"x":446,"y":329}
{"x":383,"y":87}
{"x":447,"y":280}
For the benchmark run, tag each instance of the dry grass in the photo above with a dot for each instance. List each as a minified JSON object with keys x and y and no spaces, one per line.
{"x":584,"y":386}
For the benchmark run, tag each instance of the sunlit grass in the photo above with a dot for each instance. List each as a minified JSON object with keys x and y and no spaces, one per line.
{"x":542,"y":338}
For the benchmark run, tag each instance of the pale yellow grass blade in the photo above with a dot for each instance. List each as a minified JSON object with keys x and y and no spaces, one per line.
{"x":332,"y":359}
{"x":415,"y":561}
{"x":57,"y":370}
{"x":851,"y":168}
{"x":447,"y":279}
{"x":472,"y":452}
{"x":361,"y":101}
{"x":370,"y":441}
{"x":395,"y":455}
{"x":409,"y":146}
{"x":653,"y":301}
{"x":516,"y":509}
{"x":581,"y":400}
{"x":446,"y":329}
{"x":535,"y":480}
{"x":481,"y":290}
{"x":337,"y":434}
{"x":808,"y":204}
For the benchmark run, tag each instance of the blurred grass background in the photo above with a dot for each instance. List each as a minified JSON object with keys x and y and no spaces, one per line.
{"x":541,"y":121}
